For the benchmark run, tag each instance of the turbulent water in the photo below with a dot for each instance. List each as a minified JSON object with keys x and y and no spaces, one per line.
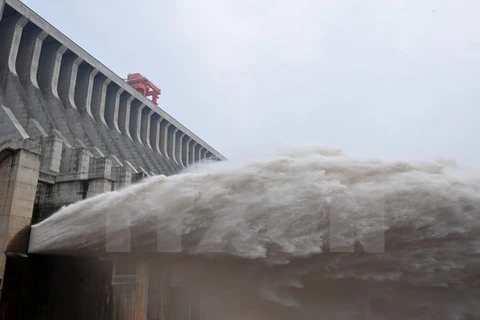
{"x":310,"y":234}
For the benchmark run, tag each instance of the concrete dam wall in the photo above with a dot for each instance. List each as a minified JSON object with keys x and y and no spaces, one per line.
{"x":53,"y":88}
{"x":70,"y":129}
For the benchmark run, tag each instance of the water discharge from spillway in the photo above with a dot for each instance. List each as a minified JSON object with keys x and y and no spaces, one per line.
{"x":310,"y":234}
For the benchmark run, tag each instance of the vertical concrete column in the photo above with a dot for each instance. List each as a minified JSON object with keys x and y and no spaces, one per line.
{"x":116,"y":110}
{"x":99,"y":97}
{"x":164,"y":137}
{"x":90,"y":92}
{"x":167,"y":145}
{"x":199,"y":151}
{"x":178,"y":146}
{"x":124,"y":115}
{"x":203,"y":154}
{"x":84,"y":90}
{"x":100,"y":176}
{"x":155,"y":138}
{"x":49,"y":68}
{"x":112,"y":105}
{"x":68,"y":80}
{"x":181,"y":149}
{"x":10,"y":37}
{"x":19,"y":172}
{"x":171,"y":132}
{"x":191,"y":151}
{"x":29,"y":55}
{"x":52,"y":147}
{"x":186,"y":150}
{"x":123,"y":177}
{"x":136,"y":121}
{"x":146,"y":123}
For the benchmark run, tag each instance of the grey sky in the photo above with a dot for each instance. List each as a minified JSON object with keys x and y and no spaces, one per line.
{"x":395,"y":78}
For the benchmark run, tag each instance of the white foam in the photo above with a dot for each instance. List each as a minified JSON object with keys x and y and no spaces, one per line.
{"x":286,"y":212}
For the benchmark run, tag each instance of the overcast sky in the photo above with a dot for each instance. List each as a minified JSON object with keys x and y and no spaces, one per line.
{"x":386,"y":78}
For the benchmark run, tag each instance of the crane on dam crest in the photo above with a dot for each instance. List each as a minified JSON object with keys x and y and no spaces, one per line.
{"x":144,"y":86}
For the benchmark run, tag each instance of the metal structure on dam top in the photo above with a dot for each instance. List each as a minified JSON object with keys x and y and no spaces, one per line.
{"x":71,"y":129}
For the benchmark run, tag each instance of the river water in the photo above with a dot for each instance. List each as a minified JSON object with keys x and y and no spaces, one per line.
{"x":307,"y":234}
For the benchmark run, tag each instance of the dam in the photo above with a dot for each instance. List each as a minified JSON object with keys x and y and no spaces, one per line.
{"x":71,"y":129}
{"x":111,"y":209}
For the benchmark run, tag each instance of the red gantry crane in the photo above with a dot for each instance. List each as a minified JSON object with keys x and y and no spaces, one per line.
{"x":144,"y":86}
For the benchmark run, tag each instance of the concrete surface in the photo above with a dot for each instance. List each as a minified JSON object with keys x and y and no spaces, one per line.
{"x":71,"y":129}
{"x":51,"y":86}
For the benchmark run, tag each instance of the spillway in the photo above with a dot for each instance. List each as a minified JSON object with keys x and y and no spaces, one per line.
{"x":306,"y":234}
